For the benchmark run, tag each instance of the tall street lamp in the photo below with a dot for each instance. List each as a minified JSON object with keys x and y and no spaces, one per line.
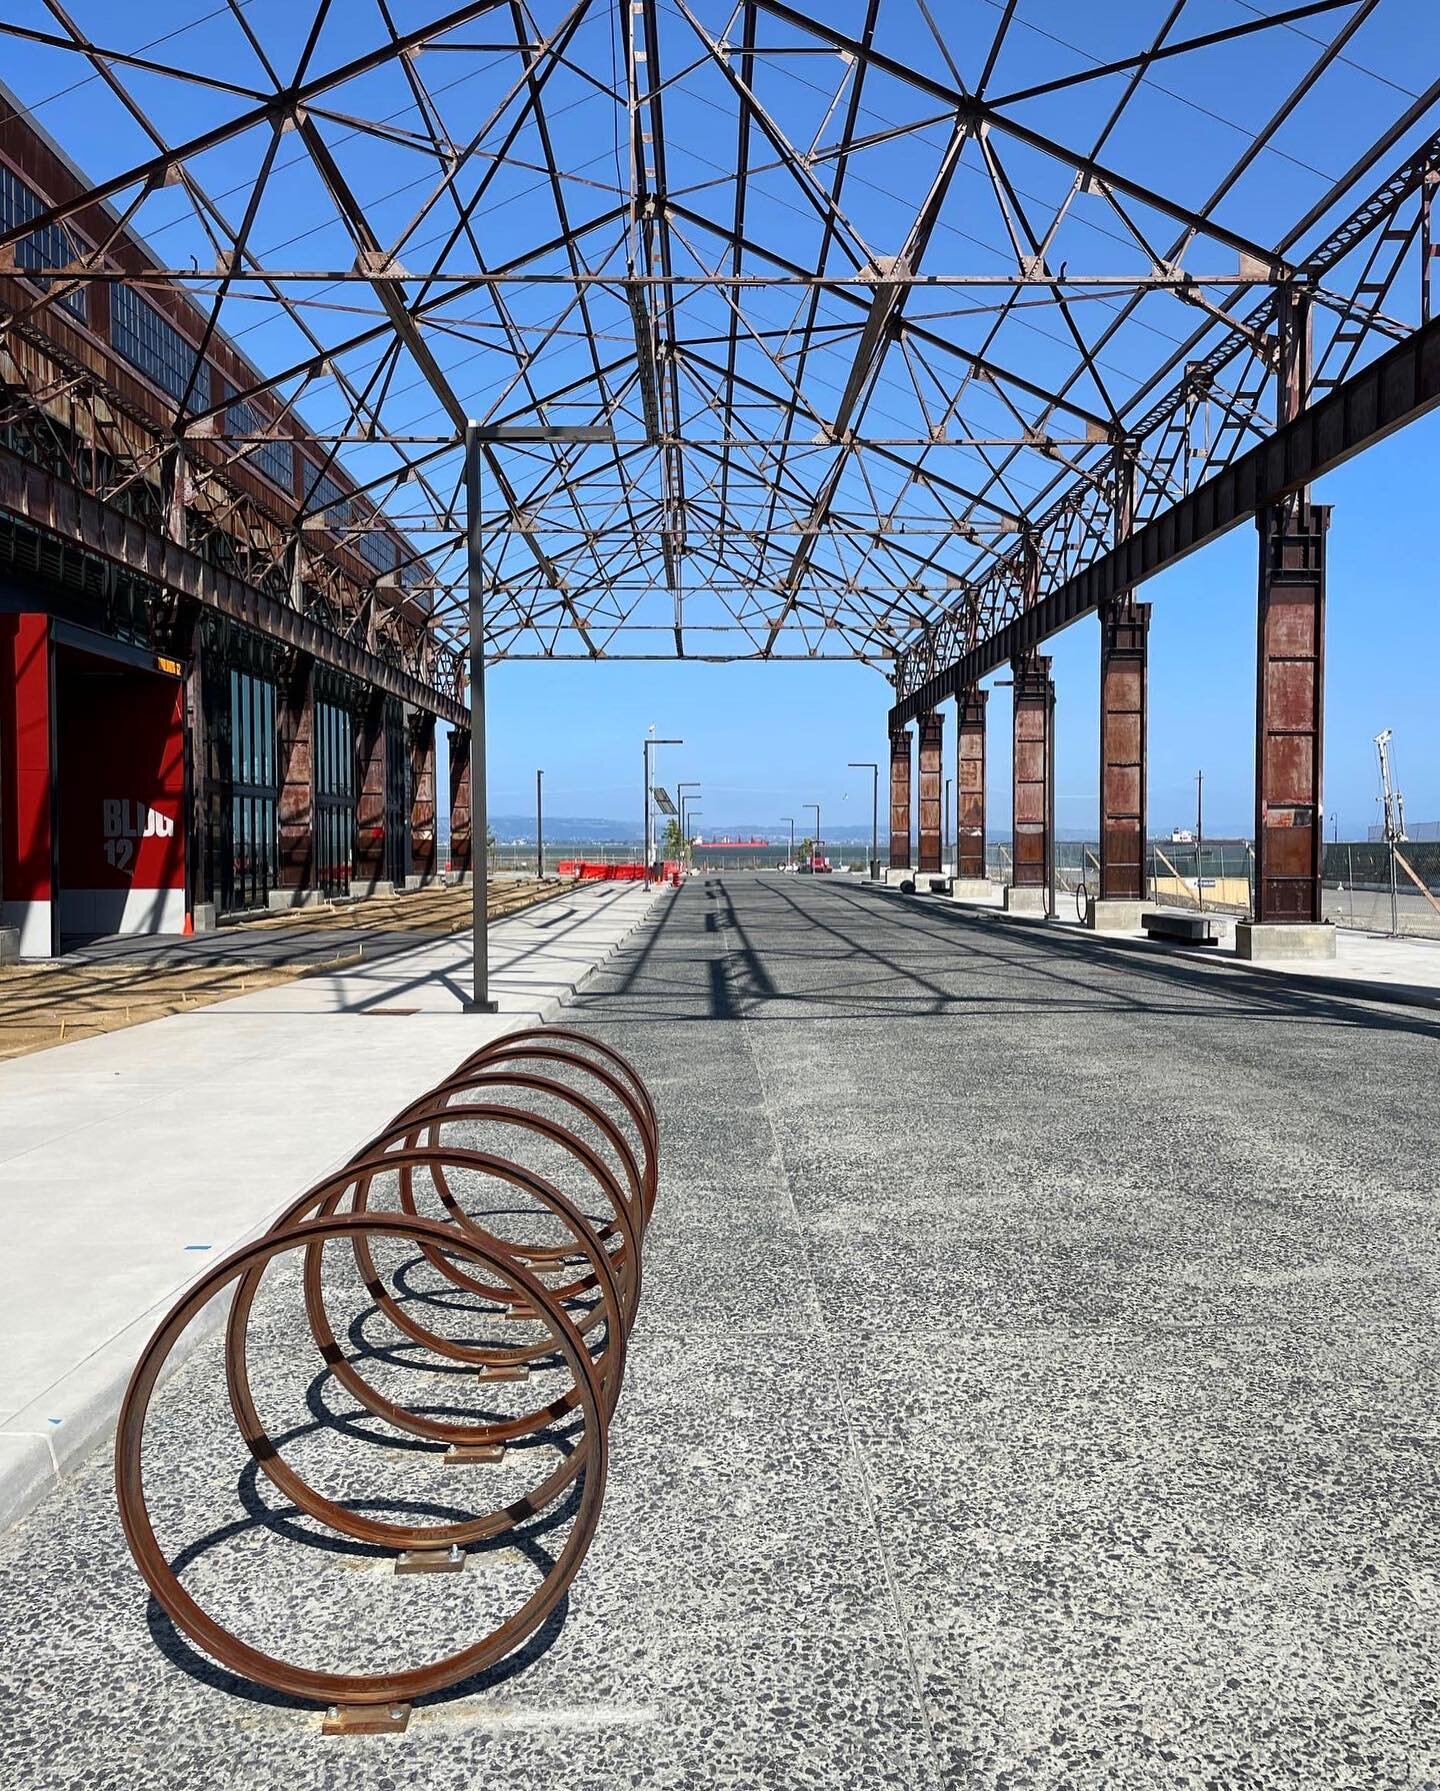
{"x":815,"y":845}
{"x":870,"y":766}
{"x":649,"y":747}
{"x":680,"y":796}
{"x":791,"y":819}
{"x":539,"y":828}
{"x":477,"y":435}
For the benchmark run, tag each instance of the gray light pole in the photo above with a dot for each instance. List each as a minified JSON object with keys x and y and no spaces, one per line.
{"x":648,"y":747}
{"x":815,"y":843}
{"x":791,"y":819}
{"x":476,"y":436}
{"x":689,"y":784}
{"x":539,"y":828}
{"x":874,"y":770}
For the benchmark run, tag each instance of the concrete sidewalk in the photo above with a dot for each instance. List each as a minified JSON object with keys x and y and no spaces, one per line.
{"x":1366,"y":966}
{"x":131,"y":1161}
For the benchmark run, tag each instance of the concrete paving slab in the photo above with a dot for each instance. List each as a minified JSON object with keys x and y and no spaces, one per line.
{"x":131,"y":1159}
{"x":1035,"y":1387}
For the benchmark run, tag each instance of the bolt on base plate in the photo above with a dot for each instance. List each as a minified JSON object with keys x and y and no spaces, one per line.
{"x":365,"y":1719}
{"x":431,"y":1560}
{"x":468,"y":1455}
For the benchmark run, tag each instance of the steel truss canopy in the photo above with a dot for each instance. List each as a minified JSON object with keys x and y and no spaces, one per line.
{"x":876,"y":327}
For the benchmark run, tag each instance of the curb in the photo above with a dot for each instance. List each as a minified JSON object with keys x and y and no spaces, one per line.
{"x":35,"y":1460}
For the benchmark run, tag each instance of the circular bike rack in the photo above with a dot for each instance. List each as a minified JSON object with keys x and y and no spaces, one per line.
{"x":547,"y":1278}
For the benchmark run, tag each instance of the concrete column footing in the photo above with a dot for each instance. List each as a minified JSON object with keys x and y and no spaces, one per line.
{"x":1025,"y":900}
{"x":202,"y":917}
{"x":1113,"y":914}
{"x":1284,"y":939}
{"x":9,"y":945}
{"x":895,"y":874}
{"x":280,"y":899}
{"x":972,"y":889}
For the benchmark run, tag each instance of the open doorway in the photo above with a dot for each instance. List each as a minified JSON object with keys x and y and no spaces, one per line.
{"x":120,"y":848}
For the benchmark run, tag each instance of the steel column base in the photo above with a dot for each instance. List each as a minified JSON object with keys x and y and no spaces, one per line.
{"x":1025,"y":900}
{"x":480,"y":1007}
{"x":1281,"y":939}
{"x":1112,"y":915}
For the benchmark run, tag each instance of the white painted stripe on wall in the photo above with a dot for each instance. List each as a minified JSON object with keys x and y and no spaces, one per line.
{"x":126,"y":911}
{"x":33,"y":921}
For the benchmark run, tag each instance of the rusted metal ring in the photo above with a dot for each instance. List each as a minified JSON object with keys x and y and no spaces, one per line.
{"x":585,"y":1041}
{"x":409,"y":1129}
{"x":322,"y":1201}
{"x":438,"y":1103}
{"x":617,"y":1302}
{"x":242,"y":1657}
{"x":523,"y":1051}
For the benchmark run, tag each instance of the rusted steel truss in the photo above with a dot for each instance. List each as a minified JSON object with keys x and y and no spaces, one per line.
{"x":879,"y":338}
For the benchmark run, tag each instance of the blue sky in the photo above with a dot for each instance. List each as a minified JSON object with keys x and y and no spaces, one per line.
{"x":766,"y":738}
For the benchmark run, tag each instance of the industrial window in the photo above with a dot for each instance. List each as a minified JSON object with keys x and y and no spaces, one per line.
{"x":322,"y":493}
{"x":153,"y":344}
{"x":275,"y":458}
{"x":51,"y":247}
{"x":334,"y":798}
{"x":254,"y":789}
{"x":377,"y":548}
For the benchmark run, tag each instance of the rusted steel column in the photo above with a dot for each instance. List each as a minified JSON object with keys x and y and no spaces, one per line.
{"x":370,"y":795}
{"x":900,"y":799}
{"x":296,"y":813}
{"x":1033,"y":745}
{"x":970,"y":784}
{"x":1124,"y":678}
{"x":1290,"y":687}
{"x":460,"y":845}
{"x":422,"y":797}
{"x":932,"y":777}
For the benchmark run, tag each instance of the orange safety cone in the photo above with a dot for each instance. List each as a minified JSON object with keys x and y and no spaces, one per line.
{"x":189,"y":926}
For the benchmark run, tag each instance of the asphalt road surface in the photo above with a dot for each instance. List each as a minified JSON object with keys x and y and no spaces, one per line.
{"x":1036,"y":1386}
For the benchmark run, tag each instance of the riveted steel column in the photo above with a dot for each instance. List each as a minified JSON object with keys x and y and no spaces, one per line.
{"x":1290,"y":689}
{"x":296,"y":810}
{"x":370,"y":750}
{"x":1289,"y":835}
{"x":900,"y":799}
{"x":1034,"y":714}
{"x":461,"y":857}
{"x":932,"y":777}
{"x":970,"y":784}
{"x":422,"y":797}
{"x":1124,"y":678}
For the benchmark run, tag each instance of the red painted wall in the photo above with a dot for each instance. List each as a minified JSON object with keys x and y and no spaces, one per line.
{"x":122,"y":778}
{"x":25,"y":757}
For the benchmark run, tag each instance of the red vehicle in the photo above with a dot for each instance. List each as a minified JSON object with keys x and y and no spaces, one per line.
{"x":819,"y":864}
